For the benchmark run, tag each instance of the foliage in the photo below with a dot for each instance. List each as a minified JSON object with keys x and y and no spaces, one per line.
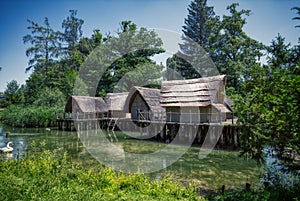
{"x":224,"y":41}
{"x":45,"y":44}
{"x":268,"y":194}
{"x":51,"y":70}
{"x":147,"y":74}
{"x":72,"y":29}
{"x":268,"y":110}
{"x":199,"y":25}
{"x":119,"y":55}
{"x":233,"y":51}
{"x":50,"y":98}
{"x":49,"y":174}
{"x":241,"y":196}
{"x":60,"y":77}
{"x":298,"y":13}
{"x":13,"y":93}
{"x":30,"y":116}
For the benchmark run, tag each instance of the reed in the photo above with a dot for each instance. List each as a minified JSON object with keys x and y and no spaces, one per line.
{"x":29,"y":116}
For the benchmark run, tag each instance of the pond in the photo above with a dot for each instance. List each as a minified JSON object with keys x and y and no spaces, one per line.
{"x":219,"y":167}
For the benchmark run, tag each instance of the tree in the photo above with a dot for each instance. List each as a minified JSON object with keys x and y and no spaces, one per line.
{"x":132,"y":48}
{"x":13,"y":93}
{"x":146,"y":74}
{"x":268,"y":110}
{"x":298,"y":13}
{"x":199,"y":26}
{"x":233,"y":52}
{"x":45,"y":45}
{"x":72,"y":29}
{"x":50,"y":98}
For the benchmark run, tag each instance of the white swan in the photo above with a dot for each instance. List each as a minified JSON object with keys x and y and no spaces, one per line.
{"x":8,"y":148}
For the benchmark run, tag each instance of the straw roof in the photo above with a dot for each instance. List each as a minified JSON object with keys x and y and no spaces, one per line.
{"x":86,"y":104}
{"x":150,"y":96}
{"x":229,"y":103}
{"x":116,"y":101}
{"x":221,"y":107}
{"x":199,"y":92}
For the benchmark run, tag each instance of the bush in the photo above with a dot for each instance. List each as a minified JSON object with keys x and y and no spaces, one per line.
{"x":51,"y":176}
{"x":30,"y":116}
{"x":274,"y":193}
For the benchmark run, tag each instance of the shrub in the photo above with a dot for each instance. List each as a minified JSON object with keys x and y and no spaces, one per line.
{"x":49,"y":175}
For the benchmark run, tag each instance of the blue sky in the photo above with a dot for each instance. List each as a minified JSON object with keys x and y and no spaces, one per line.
{"x":268,"y":18}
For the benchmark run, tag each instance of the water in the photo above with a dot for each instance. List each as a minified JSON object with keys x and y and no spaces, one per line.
{"x":23,"y":138}
{"x":276,"y":173}
{"x":219,"y":168}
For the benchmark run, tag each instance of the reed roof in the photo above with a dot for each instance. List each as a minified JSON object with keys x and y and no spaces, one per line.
{"x":198,"y":92}
{"x":221,"y":107}
{"x":150,"y":96}
{"x":116,"y":101}
{"x":86,"y":104}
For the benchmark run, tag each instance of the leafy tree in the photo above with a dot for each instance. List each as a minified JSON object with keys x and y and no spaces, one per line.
{"x":13,"y":93}
{"x":80,"y":88}
{"x":233,"y":52}
{"x":83,"y":49}
{"x":45,"y":45}
{"x":180,"y":68}
{"x":268,"y":110}
{"x":72,"y":29}
{"x":146,"y":74}
{"x":130,"y":49}
{"x":50,"y":98}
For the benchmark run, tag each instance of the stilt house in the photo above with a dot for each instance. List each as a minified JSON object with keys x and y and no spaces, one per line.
{"x":115,"y":104}
{"x":86,"y":107}
{"x":195,"y":101}
{"x":143,"y":104}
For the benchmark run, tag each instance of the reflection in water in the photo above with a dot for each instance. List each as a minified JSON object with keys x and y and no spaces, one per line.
{"x":23,"y":138}
{"x":134,"y":155}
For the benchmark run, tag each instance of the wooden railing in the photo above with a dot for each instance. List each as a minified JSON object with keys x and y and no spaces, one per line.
{"x":184,"y":117}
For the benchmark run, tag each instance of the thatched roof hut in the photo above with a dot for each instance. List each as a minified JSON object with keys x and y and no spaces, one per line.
{"x":194,"y":92}
{"x":115,"y":104}
{"x":85,"y":105}
{"x":183,"y":96}
{"x":143,"y":103}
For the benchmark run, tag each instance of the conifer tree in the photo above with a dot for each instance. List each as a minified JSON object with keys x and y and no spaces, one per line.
{"x":198,"y":26}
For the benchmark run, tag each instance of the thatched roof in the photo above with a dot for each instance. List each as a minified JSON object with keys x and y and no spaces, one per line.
{"x":116,"y":101}
{"x":228,"y":103}
{"x":222,"y":108}
{"x":150,"y":96}
{"x":199,"y":92}
{"x":86,"y":104}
